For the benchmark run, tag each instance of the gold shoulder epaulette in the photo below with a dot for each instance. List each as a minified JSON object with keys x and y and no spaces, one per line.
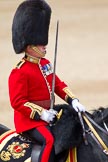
{"x":20,"y":63}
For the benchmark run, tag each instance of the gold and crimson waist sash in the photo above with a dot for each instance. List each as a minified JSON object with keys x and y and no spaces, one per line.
{"x":44,"y":103}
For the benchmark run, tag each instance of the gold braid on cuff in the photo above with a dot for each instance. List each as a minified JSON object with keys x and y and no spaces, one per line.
{"x":68,"y":93}
{"x":35,"y":109}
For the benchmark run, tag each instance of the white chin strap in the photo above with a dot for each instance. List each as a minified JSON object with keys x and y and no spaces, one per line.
{"x":41,"y":54}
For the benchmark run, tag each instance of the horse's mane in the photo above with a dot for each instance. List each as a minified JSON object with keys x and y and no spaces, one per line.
{"x":67,"y":131}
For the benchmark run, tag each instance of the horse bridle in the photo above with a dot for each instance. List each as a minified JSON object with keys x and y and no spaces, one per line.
{"x":84,"y":117}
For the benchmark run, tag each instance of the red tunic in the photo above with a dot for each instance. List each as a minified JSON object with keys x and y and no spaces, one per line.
{"x":31,"y":82}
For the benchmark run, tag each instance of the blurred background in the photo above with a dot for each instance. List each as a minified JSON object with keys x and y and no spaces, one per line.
{"x":82,"y":51}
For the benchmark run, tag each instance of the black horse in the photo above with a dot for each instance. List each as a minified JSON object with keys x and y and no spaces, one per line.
{"x":68,"y":134}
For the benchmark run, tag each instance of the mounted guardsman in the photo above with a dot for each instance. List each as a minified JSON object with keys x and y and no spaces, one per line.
{"x":30,"y":82}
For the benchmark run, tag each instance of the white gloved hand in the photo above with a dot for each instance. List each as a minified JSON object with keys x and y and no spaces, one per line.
{"x":77,"y":106}
{"x":48,"y":115}
{"x":53,"y":111}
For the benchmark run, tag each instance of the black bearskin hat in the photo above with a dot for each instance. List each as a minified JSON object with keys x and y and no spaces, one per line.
{"x":31,"y":24}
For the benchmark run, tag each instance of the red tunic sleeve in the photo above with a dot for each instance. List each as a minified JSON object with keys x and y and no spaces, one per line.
{"x":18,"y":92}
{"x":59,"y":86}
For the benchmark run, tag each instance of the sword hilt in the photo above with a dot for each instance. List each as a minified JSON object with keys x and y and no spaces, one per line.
{"x":59,"y":114}
{"x":57,"y":117}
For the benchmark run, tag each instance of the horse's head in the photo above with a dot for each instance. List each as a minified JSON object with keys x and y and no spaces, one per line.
{"x":100,"y":115}
{"x":67,"y":131}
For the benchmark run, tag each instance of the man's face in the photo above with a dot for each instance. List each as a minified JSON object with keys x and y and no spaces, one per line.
{"x":38,"y":51}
